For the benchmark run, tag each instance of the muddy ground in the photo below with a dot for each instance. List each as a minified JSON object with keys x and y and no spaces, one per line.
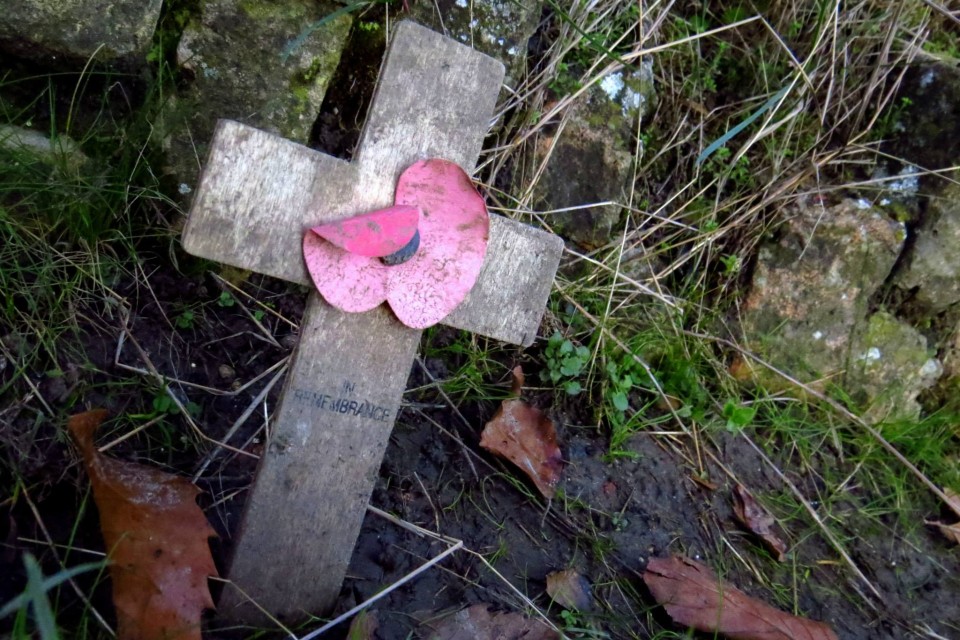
{"x":611,"y":516}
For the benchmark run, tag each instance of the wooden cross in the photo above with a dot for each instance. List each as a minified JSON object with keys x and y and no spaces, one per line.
{"x":257,"y":196}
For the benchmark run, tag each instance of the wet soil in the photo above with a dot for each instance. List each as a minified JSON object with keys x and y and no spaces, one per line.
{"x":609,"y":517}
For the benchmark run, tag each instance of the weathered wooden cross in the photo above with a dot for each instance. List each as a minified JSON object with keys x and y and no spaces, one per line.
{"x":257,"y":196}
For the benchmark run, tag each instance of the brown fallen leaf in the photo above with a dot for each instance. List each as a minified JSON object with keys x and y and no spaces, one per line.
{"x":157,"y":540}
{"x":526,"y":437}
{"x":479,"y":623}
{"x":570,"y":590}
{"x":758,"y":520}
{"x":950,"y":531}
{"x":364,"y":626}
{"x":694,"y":597}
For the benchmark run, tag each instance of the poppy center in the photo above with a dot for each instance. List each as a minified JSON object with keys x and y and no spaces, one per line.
{"x":402,"y":255}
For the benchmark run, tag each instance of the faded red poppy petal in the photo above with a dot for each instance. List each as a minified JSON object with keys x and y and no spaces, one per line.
{"x":375,"y":234}
{"x":348,"y":281}
{"x":454,"y":231}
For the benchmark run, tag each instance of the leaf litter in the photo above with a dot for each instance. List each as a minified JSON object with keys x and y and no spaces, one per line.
{"x":950,"y":531}
{"x":570,"y":590}
{"x":752,"y":515}
{"x":694,"y":597}
{"x":525,"y":436}
{"x":478,"y":622}
{"x":156,"y":537}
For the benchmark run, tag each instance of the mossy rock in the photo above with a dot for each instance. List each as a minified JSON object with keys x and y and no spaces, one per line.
{"x":889,"y":366}
{"x":250,"y":62}
{"x":590,"y":159}
{"x":931,"y":276}
{"x":78,"y":29}
{"x":810,"y":291}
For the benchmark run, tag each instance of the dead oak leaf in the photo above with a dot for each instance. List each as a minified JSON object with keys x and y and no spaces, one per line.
{"x":479,"y":623}
{"x":950,"y":531}
{"x":364,"y":626}
{"x":525,"y":436}
{"x":157,"y":539}
{"x":758,"y":520}
{"x":694,"y":597}
{"x":570,"y":590}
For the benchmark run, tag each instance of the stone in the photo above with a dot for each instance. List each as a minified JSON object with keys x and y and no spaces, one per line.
{"x":889,"y":365}
{"x":951,"y":355}
{"x":811,"y":288}
{"x":499,"y":28}
{"x":63,"y":152}
{"x":250,"y":63}
{"x":927,"y":131}
{"x":931,"y":275}
{"x":590,"y":158}
{"x":78,"y":29}
{"x":949,"y":383}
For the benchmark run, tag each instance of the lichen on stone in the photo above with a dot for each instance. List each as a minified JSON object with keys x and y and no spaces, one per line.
{"x":591,"y":157}
{"x":80,"y":28}
{"x":931,"y":275}
{"x":889,"y":367}
{"x":808,"y":300}
{"x":263,"y":63}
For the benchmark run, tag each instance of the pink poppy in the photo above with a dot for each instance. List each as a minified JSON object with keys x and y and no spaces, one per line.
{"x":434,"y":198}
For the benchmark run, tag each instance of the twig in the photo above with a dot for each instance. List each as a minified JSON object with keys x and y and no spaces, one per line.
{"x":183,"y":410}
{"x":130,"y":434}
{"x":454,"y":408}
{"x":396,"y":585}
{"x":409,"y":526}
{"x":838,"y":547}
{"x":26,"y":378}
{"x":269,"y":336}
{"x":254,"y":603}
{"x":279,"y":316}
{"x":183,"y":383}
{"x":239,"y":421}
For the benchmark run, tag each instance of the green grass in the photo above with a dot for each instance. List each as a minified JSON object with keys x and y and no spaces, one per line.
{"x":655,"y":368}
{"x":75,"y":217}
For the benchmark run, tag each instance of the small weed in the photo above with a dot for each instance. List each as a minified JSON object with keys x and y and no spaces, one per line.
{"x":499,"y":553}
{"x":475,"y":363}
{"x":226,"y":300}
{"x":565,"y":363}
{"x":731,"y":265}
{"x":565,"y":81}
{"x":619,"y":522}
{"x":164,"y":404}
{"x":890,"y":122}
{"x":737,"y":415}
{"x":571,"y":619}
{"x":185,"y":319}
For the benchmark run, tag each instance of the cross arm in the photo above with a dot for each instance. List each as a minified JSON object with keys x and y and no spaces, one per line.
{"x":259,"y":192}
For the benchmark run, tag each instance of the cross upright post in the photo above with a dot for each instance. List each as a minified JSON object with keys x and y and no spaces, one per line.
{"x":257,"y":196}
